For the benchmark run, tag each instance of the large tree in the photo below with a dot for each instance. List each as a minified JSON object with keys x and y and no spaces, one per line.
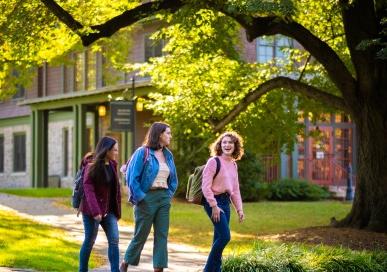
{"x":357,"y":69}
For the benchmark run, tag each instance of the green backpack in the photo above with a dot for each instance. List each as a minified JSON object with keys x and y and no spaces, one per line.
{"x":194,"y":192}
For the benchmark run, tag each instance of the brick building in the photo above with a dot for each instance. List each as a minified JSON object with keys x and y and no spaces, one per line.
{"x":39,"y":124}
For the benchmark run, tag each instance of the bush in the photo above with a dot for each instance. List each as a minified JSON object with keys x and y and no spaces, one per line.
{"x":250,"y":176}
{"x":270,"y":257}
{"x":293,"y":189}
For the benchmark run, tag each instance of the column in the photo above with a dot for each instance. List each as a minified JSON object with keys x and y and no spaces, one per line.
{"x":39,"y":156}
{"x":79,"y":135}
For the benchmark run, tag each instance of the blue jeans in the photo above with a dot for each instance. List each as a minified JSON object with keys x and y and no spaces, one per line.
{"x":221,"y":232}
{"x":110,"y":226}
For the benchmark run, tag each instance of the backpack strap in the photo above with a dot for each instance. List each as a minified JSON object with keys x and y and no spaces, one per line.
{"x":217,"y":167}
{"x":145,"y":157}
{"x":146,"y":154}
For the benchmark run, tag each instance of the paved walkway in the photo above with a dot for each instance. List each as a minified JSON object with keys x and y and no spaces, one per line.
{"x":182,"y":258}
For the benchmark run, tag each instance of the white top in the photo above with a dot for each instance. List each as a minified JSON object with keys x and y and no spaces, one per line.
{"x":161,"y":180}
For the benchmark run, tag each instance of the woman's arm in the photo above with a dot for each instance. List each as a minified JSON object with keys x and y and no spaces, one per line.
{"x":133,"y":175}
{"x":236,"y":197}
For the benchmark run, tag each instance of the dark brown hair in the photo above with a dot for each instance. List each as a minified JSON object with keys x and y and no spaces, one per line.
{"x":216,"y":147}
{"x":97,"y":170}
{"x":152,"y":138}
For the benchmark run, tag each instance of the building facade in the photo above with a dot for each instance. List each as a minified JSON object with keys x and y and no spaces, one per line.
{"x":46,"y":129}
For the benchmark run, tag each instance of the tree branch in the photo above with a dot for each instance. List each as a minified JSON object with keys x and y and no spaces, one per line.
{"x":111,"y":26}
{"x":63,"y":16}
{"x":259,"y":26}
{"x":130,"y":17}
{"x":281,"y":82}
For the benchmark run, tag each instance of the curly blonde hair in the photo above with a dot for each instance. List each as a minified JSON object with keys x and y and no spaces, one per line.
{"x":216,"y":147}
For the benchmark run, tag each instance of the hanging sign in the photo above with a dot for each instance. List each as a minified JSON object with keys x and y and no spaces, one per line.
{"x":122,"y":115}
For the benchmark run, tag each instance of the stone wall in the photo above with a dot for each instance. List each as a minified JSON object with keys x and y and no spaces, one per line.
{"x":56,"y":152}
{"x":9,"y":178}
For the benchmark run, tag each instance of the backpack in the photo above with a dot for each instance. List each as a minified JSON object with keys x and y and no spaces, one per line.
{"x":194,"y":192}
{"x":78,"y":192}
{"x":125,"y":166}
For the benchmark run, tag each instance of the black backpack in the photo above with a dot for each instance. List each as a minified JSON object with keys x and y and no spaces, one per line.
{"x":78,"y":192}
{"x":194,"y":192}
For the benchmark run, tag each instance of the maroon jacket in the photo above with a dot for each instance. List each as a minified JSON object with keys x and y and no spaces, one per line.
{"x":96,"y":198}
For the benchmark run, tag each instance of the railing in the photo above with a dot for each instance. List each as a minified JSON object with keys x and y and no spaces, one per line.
{"x":270,"y":168}
{"x":328,"y":171}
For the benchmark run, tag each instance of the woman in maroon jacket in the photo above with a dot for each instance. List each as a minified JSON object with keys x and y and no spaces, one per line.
{"x":102,"y":202}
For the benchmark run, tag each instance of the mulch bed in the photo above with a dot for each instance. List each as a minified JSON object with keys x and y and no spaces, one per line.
{"x":350,"y":238}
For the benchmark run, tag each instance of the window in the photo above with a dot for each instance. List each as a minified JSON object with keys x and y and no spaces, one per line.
{"x":1,"y":153}
{"x":85,"y":71}
{"x":89,"y":139}
{"x":65,"y":152}
{"x":91,"y":70}
{"x":19,"y":152}
{"x":40,"y":81}
{"x":269,"y":48}
{"x":153,"y":48}
{"x":79,"y":71}
{"x":20,"y":92}
{"x":342,"y":118}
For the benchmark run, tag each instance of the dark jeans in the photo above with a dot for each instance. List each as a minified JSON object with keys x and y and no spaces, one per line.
{"x":221,"y":233}
{"x":109,"y":225}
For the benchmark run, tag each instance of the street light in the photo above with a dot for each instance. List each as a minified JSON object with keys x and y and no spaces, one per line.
{"x":140,"y":104}
{"x":134,"y":115}
{"x":101,"y":110}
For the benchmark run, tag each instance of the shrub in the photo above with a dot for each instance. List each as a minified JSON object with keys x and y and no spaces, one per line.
{"x":293,"y":189}
{"x":250,"y":176}
{"x":271,"y":257}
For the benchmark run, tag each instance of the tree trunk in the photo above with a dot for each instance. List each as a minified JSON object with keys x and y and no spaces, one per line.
{"x":369,"y":210}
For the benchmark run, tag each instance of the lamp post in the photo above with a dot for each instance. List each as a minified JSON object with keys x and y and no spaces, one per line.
{"x":349,"y":191}
{"x":134,"y":115}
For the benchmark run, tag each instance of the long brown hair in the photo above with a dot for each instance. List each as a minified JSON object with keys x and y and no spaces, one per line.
{"x":97,"y":171}
{"x":152,"y":138}
{"x":216,"y":147}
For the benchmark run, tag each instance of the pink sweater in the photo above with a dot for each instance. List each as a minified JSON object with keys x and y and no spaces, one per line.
{"x":225,"y":181}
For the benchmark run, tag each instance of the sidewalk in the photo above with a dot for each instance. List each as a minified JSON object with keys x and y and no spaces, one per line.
{"x":182,"y":258}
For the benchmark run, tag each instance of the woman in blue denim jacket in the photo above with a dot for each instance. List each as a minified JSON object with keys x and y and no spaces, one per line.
{"x":152,"y":181}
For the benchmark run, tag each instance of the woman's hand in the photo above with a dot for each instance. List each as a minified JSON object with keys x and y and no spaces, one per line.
{"x":98,"y":218}
{"x":216,"y":213}
{"x":241,"y":216}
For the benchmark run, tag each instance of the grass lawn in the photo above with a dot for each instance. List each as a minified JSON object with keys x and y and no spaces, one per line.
{"x":190,"y":224}
{"x":39,"y":192}
{"x":27,"y":244}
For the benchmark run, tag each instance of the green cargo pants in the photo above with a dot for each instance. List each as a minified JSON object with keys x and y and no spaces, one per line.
{"x":152,"y":210}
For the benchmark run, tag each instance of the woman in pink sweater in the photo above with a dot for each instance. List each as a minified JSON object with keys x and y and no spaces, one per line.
{"x":218,"y":190}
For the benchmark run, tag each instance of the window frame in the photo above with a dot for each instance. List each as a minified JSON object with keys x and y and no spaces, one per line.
{"x":273,"y":44}
{"x":19,"y":161}
{"x":154,"y":44}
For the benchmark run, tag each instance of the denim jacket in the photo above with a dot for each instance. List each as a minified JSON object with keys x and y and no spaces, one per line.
{"x":141,"y":174}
